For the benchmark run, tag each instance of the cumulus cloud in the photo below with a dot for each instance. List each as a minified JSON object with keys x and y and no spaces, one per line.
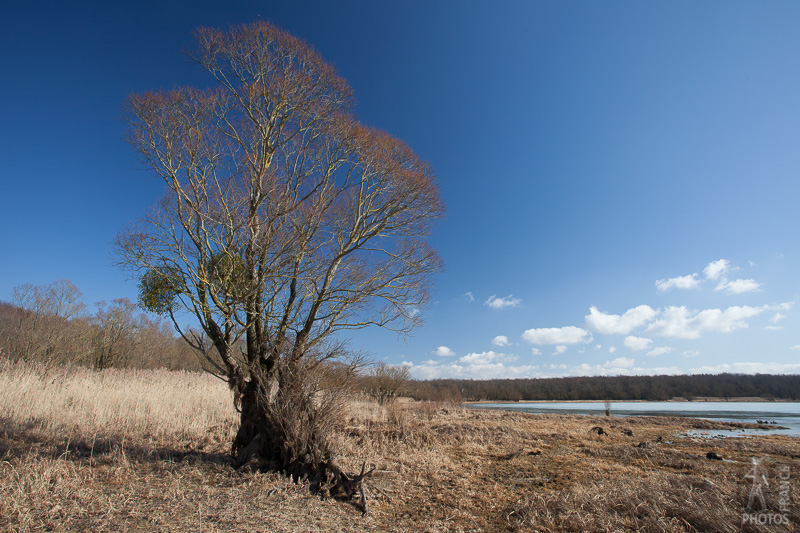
{"x":477,"y":365}
{"x":716,"y":269}
{"x":738,"y":286}
{"x":474,"y":371}
{"x":777,"y":317}
{"x":637,"y":343}
{"x":485,"y":358}
{"x":617,"y":367}
{"x":612,"y":349}
{"x":606,"y":323}
{"x":560,"y":349}
{"x":681,"y":323}
{"x":565,"y":335}
{"x":749,"y":368}
{"x":482,"y":366}
{"x":536,"y":351}
{"x":661,"y":350}
{"x":681,"y":282}
{"x":501,"y":303}
{"x":501,"y":340}
{"x":620,"y":362}
{"x":444,"y":351}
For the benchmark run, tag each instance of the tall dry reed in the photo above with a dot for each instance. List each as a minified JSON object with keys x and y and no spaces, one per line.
{"x":155,"y":405}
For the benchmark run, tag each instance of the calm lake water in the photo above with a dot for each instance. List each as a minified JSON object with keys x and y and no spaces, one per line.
{"x":786,"y":414}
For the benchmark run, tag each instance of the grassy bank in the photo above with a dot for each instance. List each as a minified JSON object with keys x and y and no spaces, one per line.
{"x":147,"y":451}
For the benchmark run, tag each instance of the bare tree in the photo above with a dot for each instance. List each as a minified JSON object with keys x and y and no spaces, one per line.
{"x":44,"y":325}
{"x":386,"y":382}
{"x":61,"y":299}
{"x":116,"y":333}
{"x":285,"y":223}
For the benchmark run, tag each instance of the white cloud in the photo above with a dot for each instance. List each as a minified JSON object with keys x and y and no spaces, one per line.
{"x":500,"y":303}
{"x":469,"y":296}
{"x":485,"y":358}
{"x":536,"y":351}
{"x":483,"y":366}
{"x":560,"y":349}
{"x":637,"y":343}
{"x":617,"y":367}
{"x":501,"y":340}
{"x":598,"y":346}
{"x":715,"y":269}
{"x":681,"y":282}
{"x":661,"y":350}
{"x":690,"y":353}
{"x":777,"y":318}
{"x":738,"y":286}
{"x":773,"y":328}
{"x":620,"y":362}
{"x":795,"y":347}
{"x":749,"y":368}
{"x":475,"y":371}
{"x":609,"y":324}
{"x":491,"y":365}
{"x":443,"y":351}
{"x":681,"y":323}
{"x":612,"y":349}
{"x":565,"y":335}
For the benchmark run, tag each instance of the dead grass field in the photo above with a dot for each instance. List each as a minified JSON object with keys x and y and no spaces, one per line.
{"x":147,"y":451}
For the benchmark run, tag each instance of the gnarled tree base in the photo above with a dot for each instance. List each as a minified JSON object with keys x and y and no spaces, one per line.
{"x":287,"y":432}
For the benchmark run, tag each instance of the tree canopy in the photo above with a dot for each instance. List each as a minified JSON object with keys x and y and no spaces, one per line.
{"x":285,"y":219}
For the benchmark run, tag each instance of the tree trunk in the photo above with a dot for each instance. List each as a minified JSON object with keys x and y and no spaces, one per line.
{"x":283,"y":429}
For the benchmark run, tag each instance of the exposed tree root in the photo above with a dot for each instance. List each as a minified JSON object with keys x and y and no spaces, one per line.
{"x":287,"y":432}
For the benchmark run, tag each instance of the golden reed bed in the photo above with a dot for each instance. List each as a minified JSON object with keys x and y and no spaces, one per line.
{"x":147,"y":451}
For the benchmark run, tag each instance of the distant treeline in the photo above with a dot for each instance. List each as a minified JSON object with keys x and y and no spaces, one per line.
{"x":50,"y":324}
{"x":652,"y":388}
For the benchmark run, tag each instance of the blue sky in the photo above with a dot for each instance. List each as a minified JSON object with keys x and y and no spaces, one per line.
{"x":621,"y":177}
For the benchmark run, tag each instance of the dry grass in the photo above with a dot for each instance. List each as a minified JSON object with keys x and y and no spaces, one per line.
{"x":154,"y":406}
{"x":147,"y":451}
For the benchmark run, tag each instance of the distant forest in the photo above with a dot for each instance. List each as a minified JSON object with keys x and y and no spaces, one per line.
{"x":652,"y":388}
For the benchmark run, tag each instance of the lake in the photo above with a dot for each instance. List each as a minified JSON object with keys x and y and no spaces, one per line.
{"x":786,"y":414}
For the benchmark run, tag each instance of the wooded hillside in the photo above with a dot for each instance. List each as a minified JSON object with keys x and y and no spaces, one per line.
{"x":652,"y":388}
